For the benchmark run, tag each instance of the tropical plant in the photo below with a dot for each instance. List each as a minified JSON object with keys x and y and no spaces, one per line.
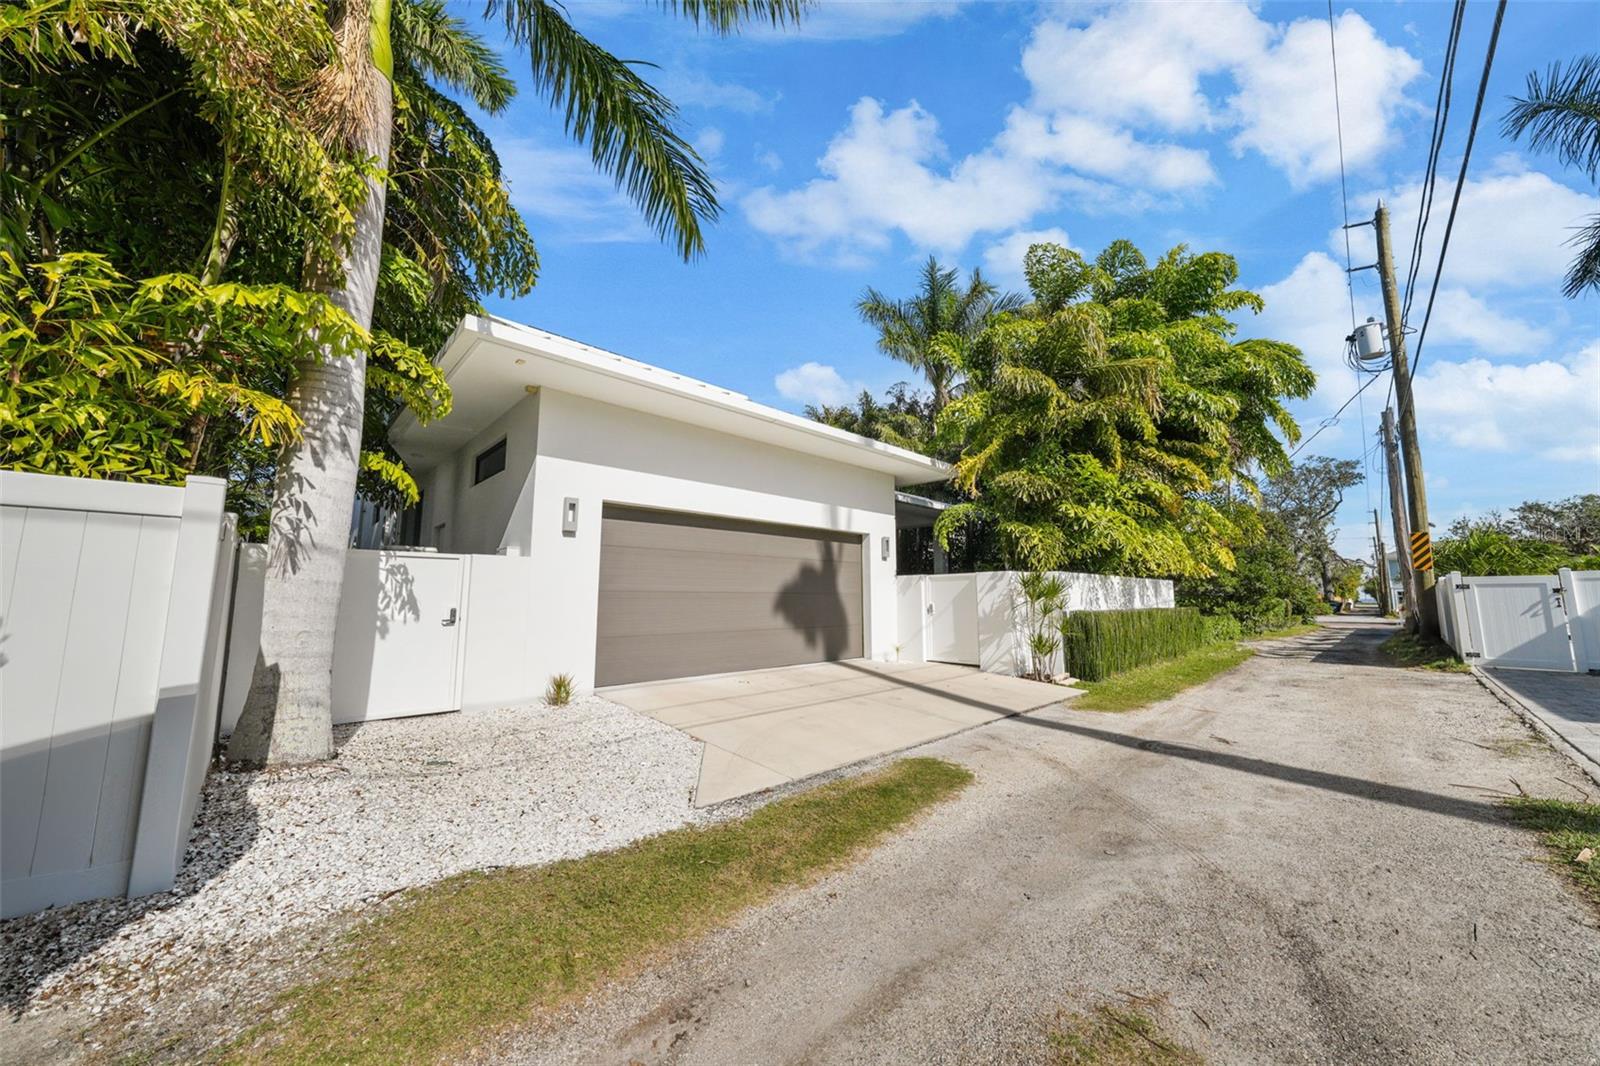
{"x":1305,"y":498}
{"x":1266,"y":588}
{"x":1561,"y":114}
{"x":904,"y":417}
{"x":558,"y":693}
{"x":1099,"y":425}
{"x":931,"y":330}
{"x":1492,"y":548}
{"x":1042,"y":596}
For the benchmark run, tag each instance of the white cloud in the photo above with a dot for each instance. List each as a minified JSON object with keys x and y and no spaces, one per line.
{"x":1141,"y":62}
{"x":815,"y":383}
{"x":561,"y":186}
{"x":708,"y":142}
{"x":770,"y":160}
{"x":1550,"y":408}
{"x":1285,"y":103}
{"x":1511,"y":229}
{"x":1003,"y":259}
{"x":695,"y":89}
{"x":879,"y":176}
{"x":1311,"y":310}
{"x":1097,"y":83}
{"x":1461,"y":318}
{"x":1092,"y":147}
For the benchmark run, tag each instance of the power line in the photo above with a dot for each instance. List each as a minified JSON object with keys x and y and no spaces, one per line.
{"x":1344,"y":201}
{"x":1461,"y":180}
{"x":1441,"y":121}
{"x":1333,"y":419}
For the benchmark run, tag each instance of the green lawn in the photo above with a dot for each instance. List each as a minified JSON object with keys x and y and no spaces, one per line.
{"x":1158,"y":681}
{"x":1565,"y":828}
{"x":1408,"y":649}
{"x":455,"y":961}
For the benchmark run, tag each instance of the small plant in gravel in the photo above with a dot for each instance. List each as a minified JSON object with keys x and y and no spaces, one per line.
{"x":558,"y":693}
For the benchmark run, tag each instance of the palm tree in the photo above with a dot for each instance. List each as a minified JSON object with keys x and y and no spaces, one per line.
{"x":630,"y":130}
{"x":929,"y":330}
{"x":1561,"y":113}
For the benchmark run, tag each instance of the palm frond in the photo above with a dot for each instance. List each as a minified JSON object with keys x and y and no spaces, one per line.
{"x":1561,"y":113}
{"x":436,"y":44}
{"x":628,"y":125}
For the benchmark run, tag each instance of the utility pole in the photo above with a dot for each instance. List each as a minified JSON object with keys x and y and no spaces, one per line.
{"x":1397,"y":508}
{"x":1384,"y":599}
{"x":1425,"y":610}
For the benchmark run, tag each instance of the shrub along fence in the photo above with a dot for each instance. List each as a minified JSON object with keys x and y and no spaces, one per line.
{"x":1101,"y":643}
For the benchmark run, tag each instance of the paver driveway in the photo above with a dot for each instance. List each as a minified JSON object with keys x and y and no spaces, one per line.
{"x":1303,"y":861}
{"x":764,"y":728}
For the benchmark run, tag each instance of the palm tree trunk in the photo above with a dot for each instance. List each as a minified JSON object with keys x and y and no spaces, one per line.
{"x":288,"y":714}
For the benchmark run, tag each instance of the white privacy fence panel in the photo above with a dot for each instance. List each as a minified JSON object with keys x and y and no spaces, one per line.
{"x":418,"y":633}
{"x":979,"y":618}
{"x":1528,"y":622}
{"x":107,"y":683}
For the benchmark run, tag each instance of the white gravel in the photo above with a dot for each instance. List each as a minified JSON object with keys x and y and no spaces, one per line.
{"x":407,"y":802}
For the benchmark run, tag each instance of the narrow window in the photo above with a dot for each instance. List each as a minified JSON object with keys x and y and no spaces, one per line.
{"x":490,"y":462}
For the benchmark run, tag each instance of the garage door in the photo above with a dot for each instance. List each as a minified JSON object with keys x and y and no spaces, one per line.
{"x":682,"y":595}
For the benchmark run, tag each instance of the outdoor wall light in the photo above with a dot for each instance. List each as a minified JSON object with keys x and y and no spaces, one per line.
{"x":885,"y":549}
{"x":569,"y":516}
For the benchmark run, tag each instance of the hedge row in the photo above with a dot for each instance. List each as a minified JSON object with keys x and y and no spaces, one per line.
{"x":1101,"y":643}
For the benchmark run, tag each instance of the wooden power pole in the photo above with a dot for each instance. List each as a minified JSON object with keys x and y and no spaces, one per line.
{"x":1397,"y":509}
{"x":1383,"y":566}
{"x":1426,"y":611}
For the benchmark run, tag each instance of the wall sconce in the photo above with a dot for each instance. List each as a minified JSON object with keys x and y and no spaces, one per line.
{"x":885,"y":549}
{"x":569,"y":516}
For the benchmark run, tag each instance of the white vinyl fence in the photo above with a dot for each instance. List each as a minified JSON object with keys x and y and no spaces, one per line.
{"x":114,"y":598}
{"x":1528,"y":622}
{"x":978,"y":619}
{"x":419,"y":632}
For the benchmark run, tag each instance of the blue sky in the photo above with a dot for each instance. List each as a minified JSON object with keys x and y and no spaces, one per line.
{"x":847,"y":152}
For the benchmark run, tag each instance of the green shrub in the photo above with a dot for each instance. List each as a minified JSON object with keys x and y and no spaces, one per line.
{"x":1101,"y":643}
{"x":558,"y":693}
{"x":1222,"y":628}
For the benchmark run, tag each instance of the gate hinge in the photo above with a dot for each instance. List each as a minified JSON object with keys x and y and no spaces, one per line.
{"x":1463,"y":587}
{"x":1472,"y":655}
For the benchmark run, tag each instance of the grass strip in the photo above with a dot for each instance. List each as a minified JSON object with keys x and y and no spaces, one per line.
{"x":1158,"y":681}
{"x":1113,"y":1036}
{"x":1565,"y":828}
{"x":1408,"y":649}
{"x":456,"y":960}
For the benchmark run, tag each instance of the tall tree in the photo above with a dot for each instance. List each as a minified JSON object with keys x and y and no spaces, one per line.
{"x":931,"y":330}
{"x":1561,"y":114}
{"x":631,"y":133}
{"x":1098,"y":427}
{"x":1305,"y":498}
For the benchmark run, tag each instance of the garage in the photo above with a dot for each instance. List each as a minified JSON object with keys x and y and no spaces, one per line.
{"x":683,"y":595}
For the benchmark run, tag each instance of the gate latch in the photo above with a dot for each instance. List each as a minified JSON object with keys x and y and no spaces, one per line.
{"x":449,"y":619}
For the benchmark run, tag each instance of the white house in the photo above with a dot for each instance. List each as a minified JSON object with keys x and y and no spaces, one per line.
{"x":671,"y":527}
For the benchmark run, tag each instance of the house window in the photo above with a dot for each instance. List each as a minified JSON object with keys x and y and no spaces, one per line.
{"x":490,"y":462}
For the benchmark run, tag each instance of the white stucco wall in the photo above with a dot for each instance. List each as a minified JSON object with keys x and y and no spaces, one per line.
{"x":491,"y":516}
{"x":599,"y":453}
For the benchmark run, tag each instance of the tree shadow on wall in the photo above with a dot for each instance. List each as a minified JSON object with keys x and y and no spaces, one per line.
{"x":810,"y":603}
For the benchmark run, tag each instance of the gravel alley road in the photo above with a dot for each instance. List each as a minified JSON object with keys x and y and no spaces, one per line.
{"x":1302,"y":861}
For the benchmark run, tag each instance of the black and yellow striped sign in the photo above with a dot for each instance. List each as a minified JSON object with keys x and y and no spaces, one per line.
{"x":1421,"y":551}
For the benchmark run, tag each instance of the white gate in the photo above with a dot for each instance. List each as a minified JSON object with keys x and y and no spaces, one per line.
{"x":952,"y":622}
{"x":1532,"y":622}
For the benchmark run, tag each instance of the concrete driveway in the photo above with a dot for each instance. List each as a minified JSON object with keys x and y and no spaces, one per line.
{"x":764,"y":728}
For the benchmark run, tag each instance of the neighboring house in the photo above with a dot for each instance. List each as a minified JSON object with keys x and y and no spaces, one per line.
{"x":674,"y":528}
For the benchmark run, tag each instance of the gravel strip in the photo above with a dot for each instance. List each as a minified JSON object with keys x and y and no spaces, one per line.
{"x":407,"y":802}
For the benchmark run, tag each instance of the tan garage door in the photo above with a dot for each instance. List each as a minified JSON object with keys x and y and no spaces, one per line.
{"x":682,"y":595}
